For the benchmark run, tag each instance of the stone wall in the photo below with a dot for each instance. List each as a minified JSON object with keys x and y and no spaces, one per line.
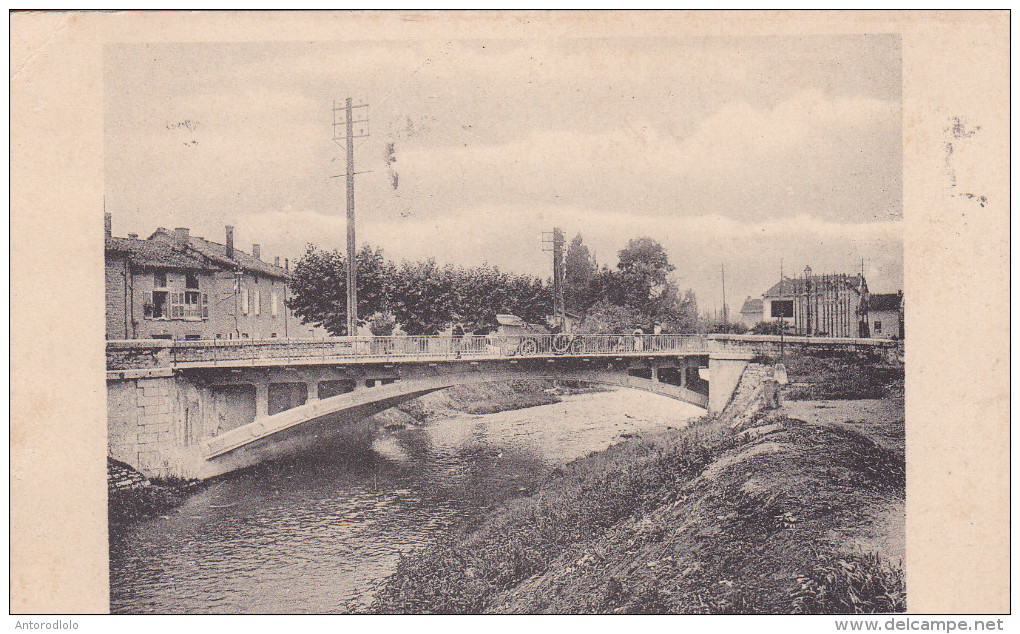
{"x":123,"y":477}
{"x":747,"y":398}
{"x":140,"y":429}
{"x":137,"y":355}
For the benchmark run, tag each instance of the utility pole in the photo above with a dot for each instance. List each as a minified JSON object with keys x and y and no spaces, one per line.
{"x":348,"y":135}
{"x":559,"y":306}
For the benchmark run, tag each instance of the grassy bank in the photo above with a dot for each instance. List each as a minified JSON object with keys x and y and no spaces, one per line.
{"x":841,"y":376}
{"x":784,"y":517}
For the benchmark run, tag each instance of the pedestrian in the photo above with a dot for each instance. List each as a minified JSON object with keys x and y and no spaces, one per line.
{"x":458,"y":335}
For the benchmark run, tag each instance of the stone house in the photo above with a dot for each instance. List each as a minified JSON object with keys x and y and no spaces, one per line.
{"x":822,"y":305}
{"x":885,"y":315}
{"x":173,"y":285}
{"x":752,"y":312}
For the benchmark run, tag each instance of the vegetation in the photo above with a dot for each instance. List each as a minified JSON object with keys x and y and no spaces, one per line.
{"x":693,"y":521}
{"x":424,"y":298}
{"x":820,"y":376}
{"x":637,"y":294}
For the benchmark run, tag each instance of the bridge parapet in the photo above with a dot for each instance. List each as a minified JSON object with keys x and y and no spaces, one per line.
{"x":137,"y":354}
{"x":774,"y":344}
{"x":227,"y":353}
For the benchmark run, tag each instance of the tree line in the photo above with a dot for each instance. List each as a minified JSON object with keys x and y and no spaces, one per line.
{"x":425,"y":298}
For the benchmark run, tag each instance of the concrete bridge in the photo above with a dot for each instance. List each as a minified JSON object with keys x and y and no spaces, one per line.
{"x":201,"y":408}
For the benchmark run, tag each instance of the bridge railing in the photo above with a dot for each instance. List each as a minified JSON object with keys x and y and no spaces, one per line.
{"x":432,"y":347}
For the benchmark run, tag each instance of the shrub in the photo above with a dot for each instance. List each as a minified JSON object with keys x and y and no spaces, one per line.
{"x":863,"y":584}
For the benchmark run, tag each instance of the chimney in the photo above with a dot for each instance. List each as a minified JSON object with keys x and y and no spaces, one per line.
{"x":256,"y":251}
{"x":230,"y":242}
{"x":181,"y":237}
{"x":133,"y":236}
{"x":276,"y":261}
{"x":108,"y":224}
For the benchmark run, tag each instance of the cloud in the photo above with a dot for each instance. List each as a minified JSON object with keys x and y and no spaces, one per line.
{"x":833,"y":157}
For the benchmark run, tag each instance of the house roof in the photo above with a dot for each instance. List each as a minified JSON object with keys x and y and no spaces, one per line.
{"x":884,"y":301}
{"x":795,"y":286}
{"x":155,"y":254}
{"x":217,"y":254}
{"x":752,"y":306}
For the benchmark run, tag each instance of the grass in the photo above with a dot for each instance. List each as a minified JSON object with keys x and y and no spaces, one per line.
{"x":527,"y":536}
{"x":863,"y":584}
{"x":840,"y":376}
{"x":693,"y":521}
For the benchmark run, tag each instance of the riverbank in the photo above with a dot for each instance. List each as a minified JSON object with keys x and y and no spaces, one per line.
{"x":485,"y":398}
{"x":785,"y":515}
{"x":132,"y":497}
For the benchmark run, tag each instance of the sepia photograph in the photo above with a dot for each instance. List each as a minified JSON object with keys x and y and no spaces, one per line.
{"x":462,"y":321}
{"x":623,"y":331}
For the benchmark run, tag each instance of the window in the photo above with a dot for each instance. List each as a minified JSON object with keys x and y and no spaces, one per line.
{"x":272,"y":335}
{"x":163,"y":336}
{"x":878,"y":327}
{"x":159,"y":306}
{"x":244,"y":335}
{"x":258,"y":302}
{"x":192,"y":337}
{"x":190,"y":280}
{"x":244,"y":302}
{"x":159,"y":280}
{"x":274,"y":307}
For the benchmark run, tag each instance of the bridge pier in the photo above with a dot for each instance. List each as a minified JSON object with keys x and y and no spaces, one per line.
{"x":724,"y":370}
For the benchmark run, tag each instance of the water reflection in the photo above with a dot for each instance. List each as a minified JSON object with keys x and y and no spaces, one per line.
{"x":318,"y":533}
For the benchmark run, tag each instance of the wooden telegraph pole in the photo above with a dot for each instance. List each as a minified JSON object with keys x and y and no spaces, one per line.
{"x":352,"y":129}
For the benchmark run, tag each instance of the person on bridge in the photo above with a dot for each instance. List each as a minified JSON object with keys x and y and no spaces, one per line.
{"x":458,"y":336}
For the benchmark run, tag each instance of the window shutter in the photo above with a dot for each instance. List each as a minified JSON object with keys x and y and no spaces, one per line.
{"x":258,"y":302}
{"x":205,"y":305}
{"x":244,"y":302}
{"x":275,"y":309}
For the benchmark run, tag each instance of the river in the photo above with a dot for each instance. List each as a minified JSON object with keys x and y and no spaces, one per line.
{"x":320,"y":532}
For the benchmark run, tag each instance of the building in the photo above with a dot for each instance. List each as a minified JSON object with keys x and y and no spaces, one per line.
{"x":752,"y":312}
{"x":885,"y":315}
{"x":820,"y":305}
{"x":173,"y":285}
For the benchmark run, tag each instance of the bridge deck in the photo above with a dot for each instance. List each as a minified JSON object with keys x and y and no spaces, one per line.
{"x":375,"y":350}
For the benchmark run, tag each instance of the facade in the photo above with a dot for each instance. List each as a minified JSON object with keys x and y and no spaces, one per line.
{"x":885,"y":315}
{"x":822,"y":305}
{"x":752,"y":312}
{"x":176,"y":286}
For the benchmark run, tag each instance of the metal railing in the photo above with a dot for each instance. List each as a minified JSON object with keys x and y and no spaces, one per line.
{"x":438,"y":347}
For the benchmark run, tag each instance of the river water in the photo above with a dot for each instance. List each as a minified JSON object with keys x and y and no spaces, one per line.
{"x":320,"y":532}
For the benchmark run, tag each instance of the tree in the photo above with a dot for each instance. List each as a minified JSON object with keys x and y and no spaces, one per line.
{"x":482,"y":292}
{"x":580,"y":269}
{"x":423,"y":297}
{"x":645,"y":257}
{"x":644,"y":268}
{"x":319,"y":287}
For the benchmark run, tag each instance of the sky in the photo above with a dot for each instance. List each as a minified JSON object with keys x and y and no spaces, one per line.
{"x":757,"y":154}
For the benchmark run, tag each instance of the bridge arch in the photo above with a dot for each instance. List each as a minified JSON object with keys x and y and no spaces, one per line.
{"x":366,"y":401}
